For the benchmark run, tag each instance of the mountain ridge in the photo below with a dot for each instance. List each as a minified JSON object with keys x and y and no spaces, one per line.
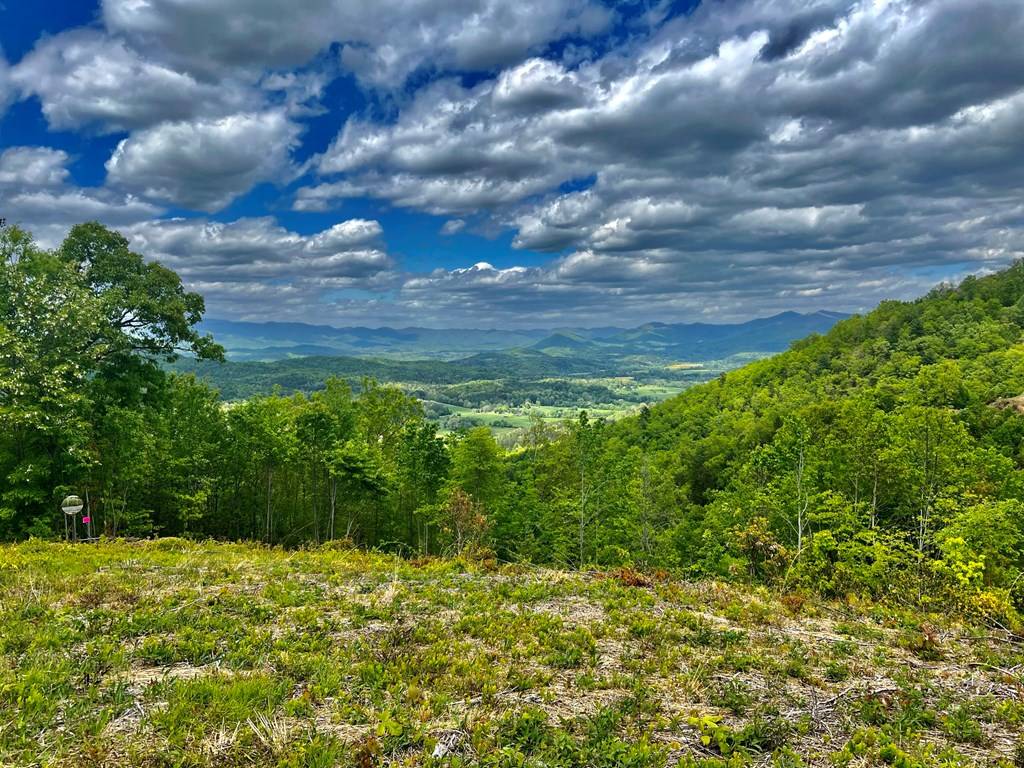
{"x":259,"y":341}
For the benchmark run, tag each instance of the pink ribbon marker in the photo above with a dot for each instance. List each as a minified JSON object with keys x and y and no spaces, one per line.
{"x":86,"y":519}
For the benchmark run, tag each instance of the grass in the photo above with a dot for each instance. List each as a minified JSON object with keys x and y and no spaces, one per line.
{"x":169,"y":653}
{"x":508,"y":421}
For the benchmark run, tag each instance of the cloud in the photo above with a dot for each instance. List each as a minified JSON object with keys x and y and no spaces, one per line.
{"x":382,"y":42}
{"x":345,"y":235}
{"x":589,"y":288}
{"x":250,"y":266}
{"x":770,"y":220}
{"x":537,"y":84}
{"x":765,"y":153}
{"x":456,"y":149}
{"x":36,"y":193}
{"x":254,"y":249}
{"x":86,"y":78}
{"x":205,"y":164}
{"x":787,"y":37}
{"x":453,"y":227}
{"x":744,"y":157}
{"x":33,"y":167}
{"x":57,"y":210}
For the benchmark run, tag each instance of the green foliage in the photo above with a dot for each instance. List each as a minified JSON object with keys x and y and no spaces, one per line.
{"x":882,"y":460}
{"x":81,"y":331}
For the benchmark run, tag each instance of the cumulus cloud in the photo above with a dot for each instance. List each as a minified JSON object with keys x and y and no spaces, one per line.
{"x":84,"y":77}
{"x":36,"y":193}
{"x":458,"y":149}
{"x":781,"y":151}
{"x":205,"y":164}
{"x":33,"y":167}
{"x":746,"y":157}
{"x":345,"y":235}
{"x":47,"y":211}
{"x":537,"y":84}
{"x":252,"y":264}
{"x":381,"y":41}
{"x":252,"y":248}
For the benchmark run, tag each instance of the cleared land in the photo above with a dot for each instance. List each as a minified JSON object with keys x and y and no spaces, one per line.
{"x":168,"y":653}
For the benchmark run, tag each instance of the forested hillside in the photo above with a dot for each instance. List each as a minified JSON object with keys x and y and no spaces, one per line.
{"x":268,"y":341}
{"x":882,"y":459}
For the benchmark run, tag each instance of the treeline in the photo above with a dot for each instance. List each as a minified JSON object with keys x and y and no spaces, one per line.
{"x":564,"y":393}
{"x":87,"y":409}
{"x":465,"y":383}
{"x":883,"y":459}
{"x":241,"y":380}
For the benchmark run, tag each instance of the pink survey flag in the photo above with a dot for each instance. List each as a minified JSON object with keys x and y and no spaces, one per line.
{"x":86,"y":519}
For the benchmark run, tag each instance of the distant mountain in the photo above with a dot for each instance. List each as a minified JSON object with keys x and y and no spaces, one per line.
{"x":706,"y":341}
{"x":300,"y":358}
{"x":564,"y":343}
{"x":249,"y":341}
{"x":276,"y":341}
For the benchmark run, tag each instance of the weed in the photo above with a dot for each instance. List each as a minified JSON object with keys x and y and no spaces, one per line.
{"x":178,"y":653}
{"x":733,"y":696}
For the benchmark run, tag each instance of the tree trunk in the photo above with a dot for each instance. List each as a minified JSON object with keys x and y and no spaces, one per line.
{"x":334,"y":497}
{"x":270,"y":476}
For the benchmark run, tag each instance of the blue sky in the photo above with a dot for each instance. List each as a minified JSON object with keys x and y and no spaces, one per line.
{"x":544,"y":162}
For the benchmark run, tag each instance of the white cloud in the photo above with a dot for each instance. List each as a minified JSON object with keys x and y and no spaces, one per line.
{"x":345,"y":235}
{"x":752,"y":154}
{"x":537,"y":84}
{"x":65,"y":207}
{"x":741,"y":148}
{"x":383,"y":41}
{"x":442,"y":195}
{"x":252,"y":266}
{"x":36,"y":193}
{"x":254,"y":249}
{"x":804,"y":220}
{"x":205,"y":164}
{"x":84,"y":77}
{"x":33,"y":167}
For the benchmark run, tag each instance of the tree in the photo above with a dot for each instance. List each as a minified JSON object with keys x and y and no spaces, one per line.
{"x":423,"y":464}
{"x":271,"y":434}
{"x":930,"y":455}
{"x":793,"y":443}
{"x":464,"y":521}
{"x":47,"y":317}
{"x":144,"y":308}
{"x":584,"y":440}
{"x":358,"y":473}
{"x":80,"y":328}
{"x":314,"y":431}
{"x":477,"y":467}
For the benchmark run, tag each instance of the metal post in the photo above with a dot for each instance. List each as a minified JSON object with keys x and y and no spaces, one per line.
{"x":71,"y":506}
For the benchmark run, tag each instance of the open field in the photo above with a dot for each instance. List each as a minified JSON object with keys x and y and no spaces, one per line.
{"x":168,"y":653}
{"x":510,"y":421}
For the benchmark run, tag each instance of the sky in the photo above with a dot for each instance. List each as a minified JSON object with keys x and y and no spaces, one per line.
{"x":536,"y":163}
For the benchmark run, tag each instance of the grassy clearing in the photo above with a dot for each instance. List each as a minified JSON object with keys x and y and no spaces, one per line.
{"x":168,"y":653}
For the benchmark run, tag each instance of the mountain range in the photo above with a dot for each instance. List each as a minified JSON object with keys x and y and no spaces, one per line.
{"x":254,"y":341}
